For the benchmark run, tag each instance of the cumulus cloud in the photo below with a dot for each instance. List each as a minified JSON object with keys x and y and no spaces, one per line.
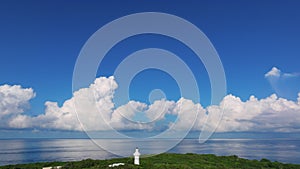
{"x":95,"y":109}
{"x":274,"y":72}
{"x":92,"y":105}
{"x":14,"y":100}
{"x":277,"y":73}
{"x":268,"y":114}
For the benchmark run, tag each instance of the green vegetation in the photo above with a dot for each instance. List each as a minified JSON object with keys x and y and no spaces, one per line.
{"x":164,"y":161}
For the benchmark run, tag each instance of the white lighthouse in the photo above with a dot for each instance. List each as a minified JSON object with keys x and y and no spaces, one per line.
{"x":136,"y":155}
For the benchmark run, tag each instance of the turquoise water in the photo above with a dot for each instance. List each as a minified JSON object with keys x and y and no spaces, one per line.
{"x":16,"y":151}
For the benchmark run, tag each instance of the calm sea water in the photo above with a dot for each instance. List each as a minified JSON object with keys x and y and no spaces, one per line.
{"x":41,"y":150}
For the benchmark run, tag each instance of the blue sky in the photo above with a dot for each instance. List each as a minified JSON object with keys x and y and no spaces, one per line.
{"x":40,"y":42}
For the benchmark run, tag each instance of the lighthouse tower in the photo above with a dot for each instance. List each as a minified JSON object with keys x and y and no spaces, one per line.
{"x":136,"y":155}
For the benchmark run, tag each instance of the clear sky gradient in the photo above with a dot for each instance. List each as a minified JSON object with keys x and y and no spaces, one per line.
{"x":41,"y":40}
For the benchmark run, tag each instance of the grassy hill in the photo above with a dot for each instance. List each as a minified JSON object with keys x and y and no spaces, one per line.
{"x":164,"y":161}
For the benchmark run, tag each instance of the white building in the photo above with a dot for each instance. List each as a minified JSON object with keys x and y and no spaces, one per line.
{"x":116,"y":164}
{"x":136,"y":155}
{"x":55,"y":167}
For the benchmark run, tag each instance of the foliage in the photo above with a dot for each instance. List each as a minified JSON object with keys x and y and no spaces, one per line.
{"x":165,"y":161}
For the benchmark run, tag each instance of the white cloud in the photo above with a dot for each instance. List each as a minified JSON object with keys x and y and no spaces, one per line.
{"x":19,"y":121}
{"x":159,"y":109}
{"x":95,"y":108}
{"x":92,"y":105}
{"x":277,"y":73}
{"x":123,"y":116}
{"x":274,"y":72}
{"x":288,"y":75}
{"x":285,"y":85}
{"x":188,"y":113}
{"x":14,"y":100}
{"x":268,"y":114}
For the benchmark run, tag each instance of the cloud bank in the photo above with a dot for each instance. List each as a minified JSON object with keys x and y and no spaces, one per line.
{"x":95,"y":108}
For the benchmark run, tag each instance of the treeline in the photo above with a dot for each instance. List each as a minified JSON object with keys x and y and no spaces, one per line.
{"x":165,"y":161}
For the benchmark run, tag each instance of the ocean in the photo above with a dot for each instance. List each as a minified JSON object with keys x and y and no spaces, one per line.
{"x":15,"y":151}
